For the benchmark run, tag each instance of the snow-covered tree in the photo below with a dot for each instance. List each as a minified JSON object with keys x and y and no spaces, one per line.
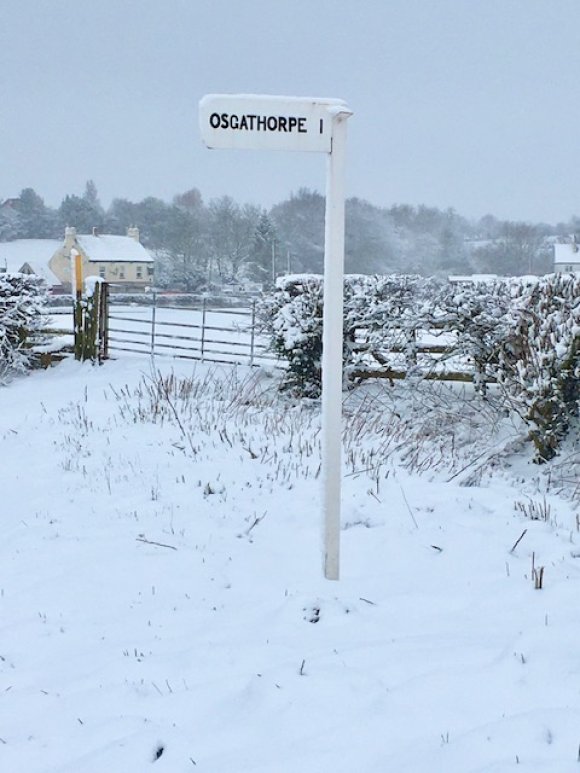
{"x":21,"y":319}
{"x":292,"y":315}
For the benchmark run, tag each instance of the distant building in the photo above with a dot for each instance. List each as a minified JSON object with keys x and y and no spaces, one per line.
{"x":10,"y":205}
{"x":120,"y":260}
{"x":567,"y":257}
{"x":30,"y":256}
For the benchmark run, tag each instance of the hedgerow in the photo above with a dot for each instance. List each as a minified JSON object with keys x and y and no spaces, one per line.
{"x":523,"y":334}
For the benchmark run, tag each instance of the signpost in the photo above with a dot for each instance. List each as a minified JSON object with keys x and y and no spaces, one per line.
{"x":259,"y":122}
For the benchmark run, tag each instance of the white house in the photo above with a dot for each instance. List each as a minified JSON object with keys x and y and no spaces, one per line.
{"x":566,"y":257}
{"x":120,"y":260}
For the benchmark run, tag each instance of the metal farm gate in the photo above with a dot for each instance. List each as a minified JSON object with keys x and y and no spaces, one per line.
{"x":202,"y":332}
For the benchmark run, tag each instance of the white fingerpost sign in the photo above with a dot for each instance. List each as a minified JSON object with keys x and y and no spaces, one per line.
{"x":260,"y":122}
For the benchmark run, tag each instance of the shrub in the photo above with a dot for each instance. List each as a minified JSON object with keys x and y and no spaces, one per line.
{"x":540,"y":358}
{"x":292,"y":315}
{"x":21,"y":320}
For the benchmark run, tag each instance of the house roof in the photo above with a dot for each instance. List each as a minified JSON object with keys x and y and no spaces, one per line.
{"x":113,"y":249}
{"x":566,"y":253}
{"x":9,"y":203}
{"x":35,"y":252}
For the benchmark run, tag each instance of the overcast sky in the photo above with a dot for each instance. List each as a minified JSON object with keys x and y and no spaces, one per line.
{"x":470,"y":104}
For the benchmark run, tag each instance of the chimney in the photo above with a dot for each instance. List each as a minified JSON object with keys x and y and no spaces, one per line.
{"x":133,"y":232}
{"x":70,"y":237}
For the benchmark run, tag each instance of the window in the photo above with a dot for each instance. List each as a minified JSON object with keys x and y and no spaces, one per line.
{"x":102,"y":271}
{"x":139,"y":272}
{"x":121,"y":272}
{"x":149,"y":270}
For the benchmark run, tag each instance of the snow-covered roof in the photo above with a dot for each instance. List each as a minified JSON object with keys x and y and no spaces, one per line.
{"x":566,"y":253}
{"x":34,"y":252}
{"x":113,"y":249}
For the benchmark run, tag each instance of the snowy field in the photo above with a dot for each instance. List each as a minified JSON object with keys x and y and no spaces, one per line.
{"x":162,"y":599}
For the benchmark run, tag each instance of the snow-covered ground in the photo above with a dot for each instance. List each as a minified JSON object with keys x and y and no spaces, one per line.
{"x":162,"y":600}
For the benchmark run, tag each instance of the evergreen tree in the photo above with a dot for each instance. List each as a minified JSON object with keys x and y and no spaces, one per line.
{"x":91,"y":196}
{"x":264,"y":251}
{"x":33,"y":219}
{"x":83,"y":212}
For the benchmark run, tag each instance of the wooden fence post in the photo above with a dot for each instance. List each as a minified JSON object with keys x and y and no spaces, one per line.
{"x":103,"y":324}
{"x":90,"y":324}
{"x":105,"y":320}
{"x":78,"y":325}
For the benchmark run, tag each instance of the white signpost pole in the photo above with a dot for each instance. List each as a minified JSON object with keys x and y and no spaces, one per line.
{"x":291,"y":123}
{"x":332,"y":338}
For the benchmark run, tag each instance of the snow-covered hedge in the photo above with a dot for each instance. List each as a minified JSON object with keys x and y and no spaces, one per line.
{"x":292,"y":316}
{"x":539,"y":360}
{"x":381,"y":314}
{"x":523,"y":333}
{"x":21,"y":320}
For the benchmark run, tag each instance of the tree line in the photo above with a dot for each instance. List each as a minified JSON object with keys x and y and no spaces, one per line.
{"x":199,"y":244}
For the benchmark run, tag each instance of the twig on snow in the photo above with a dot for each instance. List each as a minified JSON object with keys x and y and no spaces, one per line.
{"x":519,"y":539}
{"x":152,"y":542}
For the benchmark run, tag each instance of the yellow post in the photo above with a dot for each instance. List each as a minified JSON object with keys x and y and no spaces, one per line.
{"x":78,"y":317}
{"x":78,"y":272}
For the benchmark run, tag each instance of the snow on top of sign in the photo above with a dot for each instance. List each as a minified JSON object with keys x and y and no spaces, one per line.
{"x":269,"y":98}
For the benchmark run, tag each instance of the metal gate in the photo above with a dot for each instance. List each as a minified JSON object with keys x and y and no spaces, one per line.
{"x":202,"y":332}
